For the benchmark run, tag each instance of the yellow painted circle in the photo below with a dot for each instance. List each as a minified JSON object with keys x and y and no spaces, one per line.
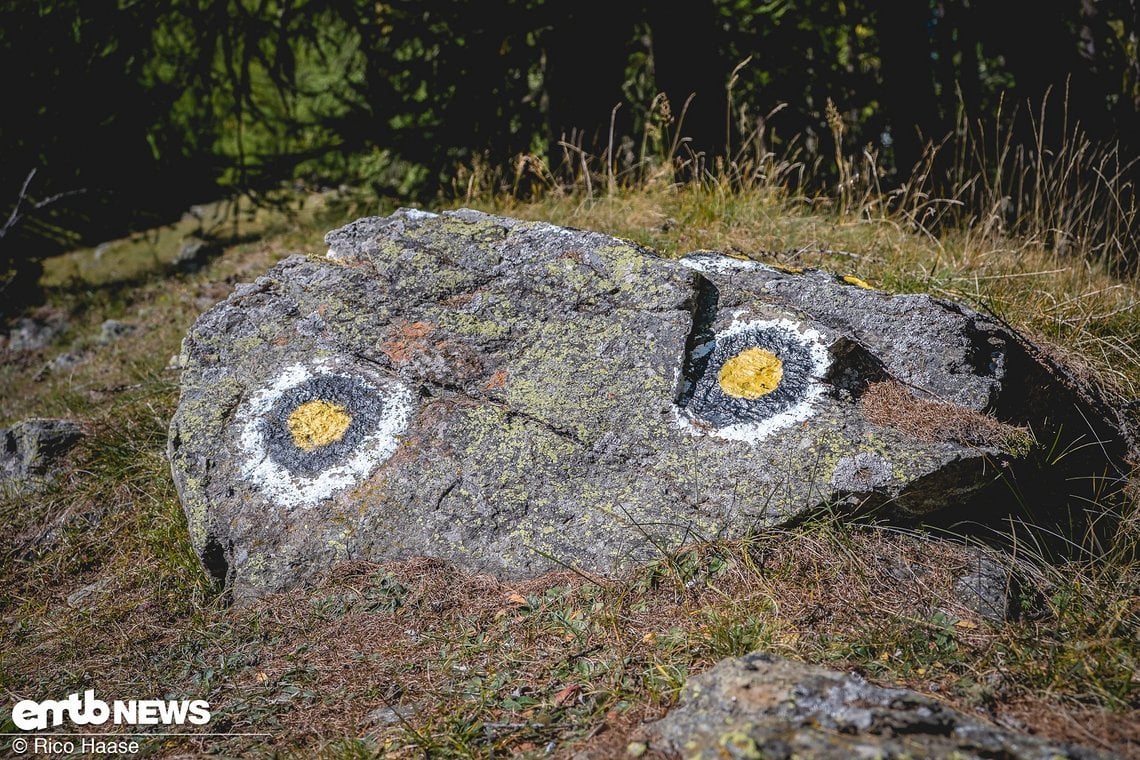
{"x":751,"y":374}
{"x":318,"y":423}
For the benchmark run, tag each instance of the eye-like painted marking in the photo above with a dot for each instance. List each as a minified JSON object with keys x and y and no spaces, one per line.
{"x":317,"y":423}
{"x":752,"y":373}
{"x":317,"y":429}
{"x":752,"y":379}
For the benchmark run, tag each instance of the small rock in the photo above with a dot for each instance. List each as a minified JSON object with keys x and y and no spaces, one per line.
{"x":68,"y":359}
{"x":113,"y":329}
{"x":390,"y":716}
{"x":194,"y":254}
{"x":78,"y":597}
{"x":32,"y":449}
{"x":35,"y":333}
{"x":763,"y":706}
{"x":987,"y":589}
{"x":905,"y":572}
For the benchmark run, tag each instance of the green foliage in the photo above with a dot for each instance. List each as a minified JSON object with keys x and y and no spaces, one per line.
{"x":148,"y":107}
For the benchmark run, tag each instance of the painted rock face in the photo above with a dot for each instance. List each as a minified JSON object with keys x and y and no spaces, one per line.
{"x":514,"y":397}
{"x":317,"y":430}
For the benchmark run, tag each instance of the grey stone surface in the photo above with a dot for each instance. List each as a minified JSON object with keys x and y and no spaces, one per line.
{"x":113,"y":329}
{"x":861,"y":473}
{"x":33,"y":448}
{"x":988,"y":588}
{"x":36,"y":332}
{"x":513,"y":396}
{"x":194,"y":254}
{"x":69,"y":359}
{"x":763,"y":706}
{"x":390,"y":716}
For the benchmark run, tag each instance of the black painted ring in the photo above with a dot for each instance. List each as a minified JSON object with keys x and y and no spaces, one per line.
{"x":362,"y":403}
{"x":708,"y":402}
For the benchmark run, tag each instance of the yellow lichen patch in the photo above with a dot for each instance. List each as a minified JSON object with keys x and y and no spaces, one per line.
{"x":853,"y":280}
{"x":751,"y":374}
{"x":317,"y":423}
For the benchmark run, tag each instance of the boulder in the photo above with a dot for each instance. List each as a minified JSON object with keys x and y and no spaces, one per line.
{"x":763,"y":706}
{"x":33,"y":448}
{"x":515,"y":397}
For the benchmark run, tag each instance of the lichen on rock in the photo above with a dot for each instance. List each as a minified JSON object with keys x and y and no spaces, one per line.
{"x":513,"y":397}
{"x":764,"y":706}
{"x":32,"y":449}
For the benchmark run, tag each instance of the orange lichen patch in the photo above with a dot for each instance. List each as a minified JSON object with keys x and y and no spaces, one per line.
{"x":317,"y":423}
{"x":751,"y":374}
{"x":406,"y":341}
{"x":498,"y":380}
{"x":415,"y":329}
{"x":282,"y":341}
{"x":853,"y":280}
{"x":788,"y":269}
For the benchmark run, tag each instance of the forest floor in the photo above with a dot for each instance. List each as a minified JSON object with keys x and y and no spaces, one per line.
{"x":103,"y":591}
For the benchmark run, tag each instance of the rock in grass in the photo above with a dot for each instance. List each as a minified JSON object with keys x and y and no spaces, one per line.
{"x":194,"y":254}
{"x":763,"y":706}
{"x":989,"y":589}
{"x":32,"y":450}
{"x":515,"y":397}
{"x":113,"y":329}
{"x":37,"y":331}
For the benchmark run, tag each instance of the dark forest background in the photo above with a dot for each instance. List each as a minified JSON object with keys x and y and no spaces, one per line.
{"x":119,"y":115}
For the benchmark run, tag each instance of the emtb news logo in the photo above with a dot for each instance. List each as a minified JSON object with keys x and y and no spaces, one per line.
{"x":29,"y":715}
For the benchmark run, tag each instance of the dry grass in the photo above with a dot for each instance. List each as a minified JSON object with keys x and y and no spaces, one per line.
{"x":890,"y":404}
{"x":475,"y":666}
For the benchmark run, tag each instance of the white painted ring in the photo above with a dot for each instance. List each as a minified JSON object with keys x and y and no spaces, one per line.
{"x":753,"y":432}
{"x":291,"y":490}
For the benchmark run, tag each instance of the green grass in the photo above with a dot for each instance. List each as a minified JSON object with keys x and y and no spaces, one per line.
{"x":102,"y":589}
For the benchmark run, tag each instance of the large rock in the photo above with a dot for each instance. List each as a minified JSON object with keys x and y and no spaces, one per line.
{"x":514,"y":396}
{"x":763,"y":706}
